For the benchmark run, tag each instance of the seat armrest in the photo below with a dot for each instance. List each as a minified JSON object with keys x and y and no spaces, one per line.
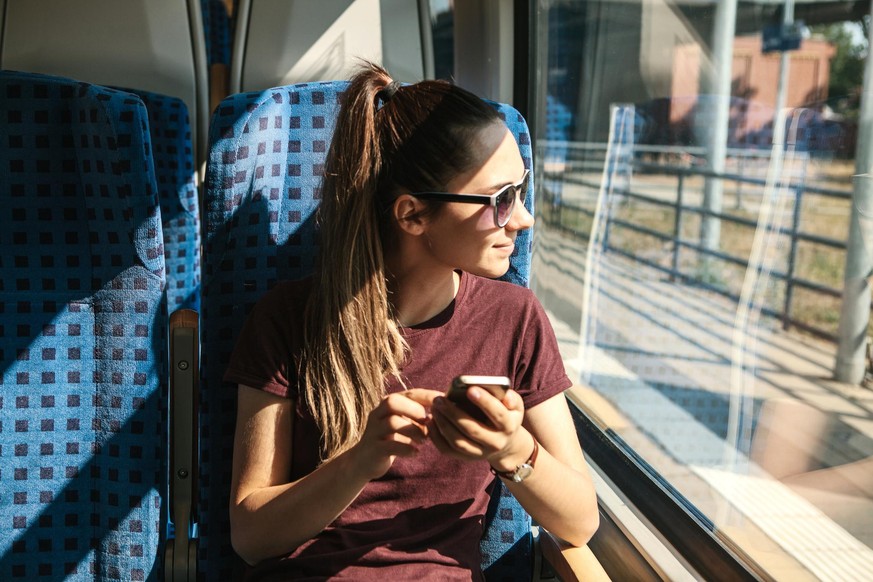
{"x":570,"y":563}
{"x":180,"y":555}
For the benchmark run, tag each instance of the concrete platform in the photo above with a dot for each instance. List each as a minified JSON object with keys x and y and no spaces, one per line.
{"x":740,"y":416}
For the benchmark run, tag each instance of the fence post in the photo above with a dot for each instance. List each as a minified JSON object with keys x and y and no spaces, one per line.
{"x":677,"y":224}
{"x":792,"y":256}
{"x":741,"y":170}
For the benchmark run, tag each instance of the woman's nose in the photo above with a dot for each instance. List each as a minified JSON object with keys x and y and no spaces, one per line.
{"x":521,"y":219}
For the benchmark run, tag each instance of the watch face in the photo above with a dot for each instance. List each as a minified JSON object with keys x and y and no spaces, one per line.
{"x":522,"y":473}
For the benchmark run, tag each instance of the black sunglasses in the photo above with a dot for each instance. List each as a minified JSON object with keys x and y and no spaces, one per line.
{"x":503,"y":200}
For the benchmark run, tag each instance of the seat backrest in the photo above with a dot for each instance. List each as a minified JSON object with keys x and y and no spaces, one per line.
{"x":170,"y":133}
{"x":217,"y":29}
{"x":264,"y":172}
{"x":155,"y":45}
{"x":81,"y":334}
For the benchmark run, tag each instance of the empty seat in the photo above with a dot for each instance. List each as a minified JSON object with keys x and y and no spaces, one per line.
{"x":217,"y":31}
{"x":82,"y":456}
{"x":218,"y":34}
{"x":170,"y":132}
{"x":153,"y":45}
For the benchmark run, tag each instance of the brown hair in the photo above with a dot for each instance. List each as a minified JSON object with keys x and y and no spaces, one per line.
{"x":416,"y":139}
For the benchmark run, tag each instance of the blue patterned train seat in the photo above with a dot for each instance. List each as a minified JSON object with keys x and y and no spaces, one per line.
{"x":267,"y":151}
{"x":82,"y":324}
{"x":170,"y":133}
{"x":218,"y":32}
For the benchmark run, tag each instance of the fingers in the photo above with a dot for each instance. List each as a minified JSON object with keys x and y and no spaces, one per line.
{"x":422,"y":396}
{"x":504,"y":415}
{"x":402,"y":418}
{"x":412,"y":404}
{"x":449,"y":438}
{"x":501,"y":413}
{"x":395,"y":428}
{"x":448,"y":448}
{"x":403,"y":430}
{"x":403,"y":421}
{"x":455,"y":433}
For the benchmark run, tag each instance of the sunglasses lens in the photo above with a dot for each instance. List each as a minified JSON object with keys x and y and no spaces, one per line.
{"x":505,"y":205}
{"x":522,"y":190}
{"x":506,"y":200}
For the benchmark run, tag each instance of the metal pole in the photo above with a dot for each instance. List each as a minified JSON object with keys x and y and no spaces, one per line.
{"x":792,"y":255}
{"x":782,"y":90}
{"x":741,"y":170}
{"x":677,"y":224}
{"x":855,"y":308}
{"x":719,"y":94}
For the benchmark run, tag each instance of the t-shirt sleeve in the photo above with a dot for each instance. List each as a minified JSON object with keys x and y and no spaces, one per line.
{"x":265,"y":346}
{"x":540,"y":372}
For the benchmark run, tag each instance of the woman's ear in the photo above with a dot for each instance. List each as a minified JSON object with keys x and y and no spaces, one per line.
{"x":409,"y":214}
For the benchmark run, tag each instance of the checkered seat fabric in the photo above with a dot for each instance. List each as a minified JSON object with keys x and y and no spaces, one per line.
{"x":267,"y":151}
{"x":81,"y":334}
{"x":170,"y":133}
{"x":218,"y":31}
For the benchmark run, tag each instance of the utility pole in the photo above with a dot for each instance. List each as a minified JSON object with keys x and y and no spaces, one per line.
{"x":855,"y":308}
{"x":718,"y":94}
{"x":782,"y":85}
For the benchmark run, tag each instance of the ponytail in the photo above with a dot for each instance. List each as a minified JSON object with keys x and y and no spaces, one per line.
{"x":387,"y":137}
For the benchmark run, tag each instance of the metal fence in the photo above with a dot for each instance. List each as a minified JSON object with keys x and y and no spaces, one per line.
{"x":555,"y":206}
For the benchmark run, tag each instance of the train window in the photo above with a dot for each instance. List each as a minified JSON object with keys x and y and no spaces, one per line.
{"x":704,"y":250}
{"x":442,"y":23}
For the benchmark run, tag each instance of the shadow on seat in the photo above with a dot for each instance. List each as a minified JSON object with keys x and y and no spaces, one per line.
{"x":173,"y":154}
{"x":82,"y":293}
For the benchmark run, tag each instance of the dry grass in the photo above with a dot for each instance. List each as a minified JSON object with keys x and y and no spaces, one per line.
{"x":819,"y":215}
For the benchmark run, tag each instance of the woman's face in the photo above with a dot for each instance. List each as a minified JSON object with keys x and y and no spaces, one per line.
{"x":465,"y":236}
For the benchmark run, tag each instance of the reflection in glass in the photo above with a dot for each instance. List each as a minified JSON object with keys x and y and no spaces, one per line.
{"x":712,"y":356}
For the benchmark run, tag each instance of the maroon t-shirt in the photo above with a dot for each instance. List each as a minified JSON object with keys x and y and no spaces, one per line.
{"x":422,"y":519}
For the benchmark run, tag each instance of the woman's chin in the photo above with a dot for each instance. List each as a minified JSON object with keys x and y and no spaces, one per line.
{"x":493,"y":270}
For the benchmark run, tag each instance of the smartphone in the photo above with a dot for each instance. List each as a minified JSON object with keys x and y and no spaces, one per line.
{"x":496,"y":385}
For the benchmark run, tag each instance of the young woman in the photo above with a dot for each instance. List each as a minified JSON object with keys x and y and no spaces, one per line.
{"x":348,"y":460}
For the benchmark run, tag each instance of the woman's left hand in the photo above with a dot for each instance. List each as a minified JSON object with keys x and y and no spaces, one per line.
{"x":559,"y":494}
{"x":503,"y":442}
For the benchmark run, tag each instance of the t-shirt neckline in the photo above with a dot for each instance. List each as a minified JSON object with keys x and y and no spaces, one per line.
{"x":444,"y":316}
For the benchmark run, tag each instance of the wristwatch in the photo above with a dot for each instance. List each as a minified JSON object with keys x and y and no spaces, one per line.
{"x":524,"y":470}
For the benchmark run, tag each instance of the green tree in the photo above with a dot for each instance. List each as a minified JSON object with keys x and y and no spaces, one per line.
{"x":847,"y":66}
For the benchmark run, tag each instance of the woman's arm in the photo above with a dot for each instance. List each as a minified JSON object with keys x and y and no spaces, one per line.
{"x":271,"y":516}
{"x":559,"y":494}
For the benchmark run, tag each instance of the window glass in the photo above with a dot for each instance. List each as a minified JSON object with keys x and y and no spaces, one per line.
{"x":442,"y":25}
{"x":705,"y":253}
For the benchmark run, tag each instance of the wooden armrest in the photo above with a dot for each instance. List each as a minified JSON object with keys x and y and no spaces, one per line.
{"x":571,"y":563}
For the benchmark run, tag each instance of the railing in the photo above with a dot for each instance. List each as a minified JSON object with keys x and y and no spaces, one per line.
{"x":555,"y":206}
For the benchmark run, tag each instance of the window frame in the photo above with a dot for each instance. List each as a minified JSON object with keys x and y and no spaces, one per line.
{"x":691,"y":534}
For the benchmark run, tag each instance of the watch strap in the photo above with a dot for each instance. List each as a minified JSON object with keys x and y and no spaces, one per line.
{"x":513,"y":475}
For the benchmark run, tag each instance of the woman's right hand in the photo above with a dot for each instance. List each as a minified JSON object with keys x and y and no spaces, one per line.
{"x":397,"y":427}
{"x":272,"y":513}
